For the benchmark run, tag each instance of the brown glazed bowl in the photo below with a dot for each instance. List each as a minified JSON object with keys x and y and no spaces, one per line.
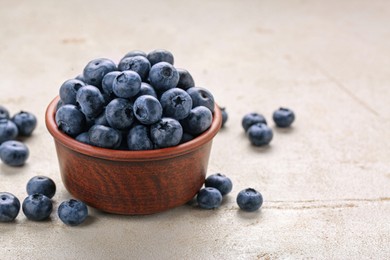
{"x":132,"y":182}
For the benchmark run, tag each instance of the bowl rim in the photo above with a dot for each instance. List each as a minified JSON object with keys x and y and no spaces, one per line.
{"x":126,"y":155}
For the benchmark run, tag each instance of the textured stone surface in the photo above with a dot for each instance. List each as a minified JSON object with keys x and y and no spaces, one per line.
{"x":325,"y":182}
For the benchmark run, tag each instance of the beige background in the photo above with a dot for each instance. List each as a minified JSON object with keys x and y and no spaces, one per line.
{"x":326,"y":182}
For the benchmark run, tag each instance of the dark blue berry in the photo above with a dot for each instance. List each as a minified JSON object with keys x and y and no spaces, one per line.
{"x":166,"y":132}
{"x":96,"y":69}
{"x":101,"y":119}
{"x":70,"y":120}
{"x":176,"y":103}
{"x":186,"y":138}
{"x":209,"y":198}
{"x":147,"y":109}
{"x":260,"y":134}
{"x":249,"y":199}
{"x":135,"y":53}
{"x":283,"y":117}
{"x":41,"y":185}
{"x":37,"y":207}
{"x":127,"y":84}
{"x":160,"y":55}
{"x":4,"y":113}
{"x":90,"y":100}
{"x":8,"y":130}
{"x":26,"y":122}
{"x":68,"y":91}
{"x":9,"y":207}
{"x":220,"y":182}
{"x":198,"y":121}
{"x":139,"y":138}
{"x":163,"y":76}
{"x":104,"y":136}
{"x":119,"y":114}
{"x":107,"y":83}
{"x":201,"y":97}
{"x":72,"y":212}
{"x":225,"y":116}
{"x":252,"y":118}
{"x":185,"y":79}
{"x":83,"y":138}
{"x":138,"y":64}
{"x":80,"y":77}
{"x":14,"y":153}
{"x":146,"y":89}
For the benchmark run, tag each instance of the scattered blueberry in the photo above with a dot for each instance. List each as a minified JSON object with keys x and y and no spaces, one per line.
{"x":220,"y":182}
{"x":198,"y":121}
{"x":9,"y":207}
{"x":249,"y":199}
{"x":209,"y":198}
{"x":147,"y":109}
{"x":260,"y":134}
{"x":96,"y":69}
{"x":72,"y":212}
{"x":70,"y":120}
{"x":176,"y":103}
{"x":26,"y":123}
{"x":224,"y":116}
{"x":127,"y":84}
{"x":139,"y":138}
{"x":37,"y":207}
{"x":252,"y":118}
{"x":90,"y":100}
{"x":201,"y":97}
{"x":160,"y":55}
{"x":163,"y":76}
{"x":185,"y":79}
{"x":139,"y":64}
{"x":68,"y":91}
{"x":283,"y":117}
{"x":14,"y":153}
{"x":119,"y":114}
{"x":4,"y":113}
{"x":8,"y":130}
{"x":104,"y":136}
{"x":41,"y":185}
{"x":166,"y":132}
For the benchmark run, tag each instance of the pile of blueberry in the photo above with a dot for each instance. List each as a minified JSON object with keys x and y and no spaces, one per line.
{"x":37,"y":206}
{"x":259,"y":133}
{"x":22,"y":124}
{"x":218,"y":185}
{"x":141,"y":103}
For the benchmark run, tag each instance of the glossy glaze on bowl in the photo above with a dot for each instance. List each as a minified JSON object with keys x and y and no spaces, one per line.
{"x":132,"y":182}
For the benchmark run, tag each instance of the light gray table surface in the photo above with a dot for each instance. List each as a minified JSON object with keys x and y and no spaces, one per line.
{"x":325,"y":181}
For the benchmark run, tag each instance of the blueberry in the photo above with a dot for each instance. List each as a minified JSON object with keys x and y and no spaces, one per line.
{"x":160,"y":55}
{"x":72,"y":212}
{"x":139,"y":138}
{"x":249,"y":199}
{"x":90,"y":100}
{"x":163,"y":76}
{"x":185,"y":79}
{"x":252,"y":118}
{"x":9,"y":207}
{"x":209,"y":198}
{"x":198,"y":121}
{"x":260,"y":134}
{"x":135,"y":53}
{"x":80,"y":77}
{"x":147,"y":109}
{"x":37,"y":207}
{"x":14,"y":153}
{"x":4,"y":113}
{"x":201,"y":97}
{"x":225,"y":116}
{"x":83,"y":138}
{"x":146,"y":89}
{"x":96,"y":69}
{"x":186,"y":137}
{"x":107,"y":83}
{"x":283,"y":117}
{"x":41,"y":185}
{"x":127,"y":84}
{"x":68,"y":91}
{"x":220,"y":182}
{"x":101,"y":119}
{"x":166,"y":132}
{"x":70,"y":120}
{"x":26,"y":123}
{"x":104,"y":136}
{"x":8,"y":130}
{"x":176,"y":103}
{"x":119,"y":113}
{"x":138,"y":64}
{"x":60,"y":103}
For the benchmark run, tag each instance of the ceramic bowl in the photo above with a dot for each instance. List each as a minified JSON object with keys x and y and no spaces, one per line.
{"x":132,"y":182}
